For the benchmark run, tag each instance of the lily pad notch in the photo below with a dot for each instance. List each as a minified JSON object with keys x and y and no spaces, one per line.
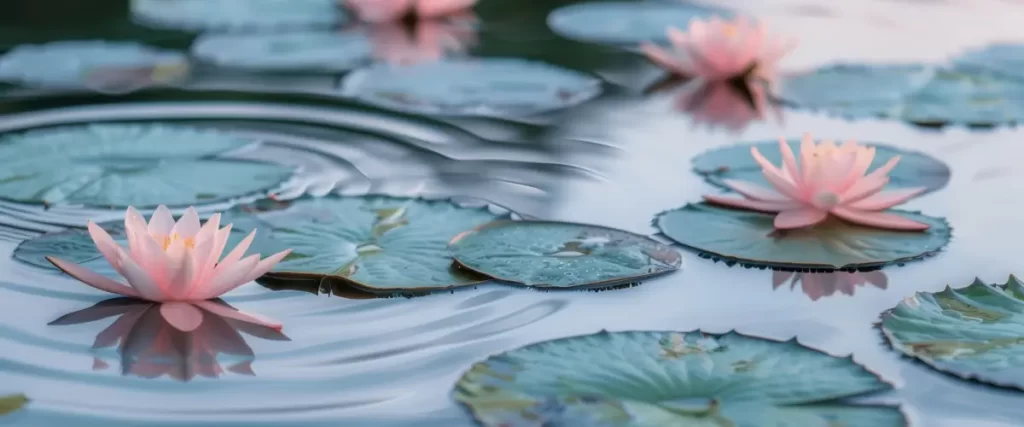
{"x":749,"y":239}
{"x":561,"y":255}
{"x":974,"y":333}
{"x":644,"y":378}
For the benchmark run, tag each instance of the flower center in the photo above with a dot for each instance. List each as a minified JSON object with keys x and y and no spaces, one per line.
{"x":730,"y":30}
{"x":826,"y":199}
{"x":189,"y":242}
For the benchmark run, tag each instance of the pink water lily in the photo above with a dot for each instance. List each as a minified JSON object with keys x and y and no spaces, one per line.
{"x":430,"y":40}
{"x":718,"y":50}
{"x":829,"y":179}
{"x":376,"y":11}
{"x":170,"y":261}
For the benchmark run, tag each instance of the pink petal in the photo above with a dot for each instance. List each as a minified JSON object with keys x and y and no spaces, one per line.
{"x":877,"y":278}
{"x":799,"y":218}
{"x":134,"y":221}
{"x":104,"y":243}
{"x":139,"y":279}
{"x":264,"y":266}
{"x":239,"y":251}
{"x":884,"y":170}
{"x":162,"y":222}
{"x":886,"y":199}
{"x":213,"y":260}
{"x":208,"y":230}
{"x":862,"y":189}
{"x":754,"y":191}
{"x":182,"y":316}
{"x":376,"y":11}
{"x":227,"y":278}
{"x":202,"y":264}
{"x":807,"y":149}
{"x":92,"y":278}
{"x":232,"y":313}
{"x":666,"y":59}
{"x":188,"y":225}
{"x":789,"y":167}
{"x":755,"y":205}
{"x":879,"y":219}
{"x":780,"y":277}
{"x":439,"y":8}
{"x":181,"y":273}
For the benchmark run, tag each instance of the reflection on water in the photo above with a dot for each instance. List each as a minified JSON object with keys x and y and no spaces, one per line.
{"x":616,"y":160}
{"x":179,"y":340}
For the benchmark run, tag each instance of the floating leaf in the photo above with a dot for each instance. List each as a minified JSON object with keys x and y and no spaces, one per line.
{"x":966,"y":97}
{"x":626,"y":23}
{"x":749,"y":238}
{"x":735,"y":162}
{"x":11,"y":403}
{"x":296,"y":50}
{"x":472,"y":87}
{"x":98,"y":65}
{"x":976,"y":332}
{"x":655,"y":379}
{"x":117,"y":165}
{"x":1004,"y":59}
{"x":561,"y":255}
{"x":376,"y":243}
{"x":201,"y":15}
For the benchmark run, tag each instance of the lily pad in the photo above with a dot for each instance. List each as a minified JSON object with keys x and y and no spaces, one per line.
{"x":323,"y":51}
{"x":626,"y":23}
{"x":11,"y":403}
{"x":749,"y":238}
{"x":97,"y":64}
{"x":1004,"y":59}
{"x":117,"y":165}
{"x":735,"y":162}
{"x":199,"y":15}
{"x":472,"y":87}
{"x":656,"y":379}
{"x":972,"y":98}
{"x":975,"y":333}
{"x":379,"y":244}
{"x":546,"y":254}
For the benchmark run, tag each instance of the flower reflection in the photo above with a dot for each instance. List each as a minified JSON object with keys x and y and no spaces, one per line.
{"x":202,"y":336}
{"x":414,"y":42}
{"x":392,"y":10}
{"x":817,"y":285}
{"x":725,"y":104}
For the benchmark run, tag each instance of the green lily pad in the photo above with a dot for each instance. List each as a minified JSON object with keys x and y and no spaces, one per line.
{"x":546,"y":254}
{"x":11,"y":403}
{"x":976,"y":332}
{"x":377,"y":243}
{"x":749,"y":238}
{"x":142,"y":165}
{"x":657,"y":379}
{"x":735,"y":162}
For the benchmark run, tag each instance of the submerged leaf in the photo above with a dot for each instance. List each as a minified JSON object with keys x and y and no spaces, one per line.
{"x":561,"y":255}
{"x":11,"y":403}
{"x":976,"y":332}
{"x":750,"y":238}
{"x":120,"y":165}
{"x":656,"y":379}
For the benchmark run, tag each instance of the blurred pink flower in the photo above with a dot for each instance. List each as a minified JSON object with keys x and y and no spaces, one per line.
{"x":184,"y":345}
{"x":829,"y":180}
{"x":718,"y":50}
{"x":817,"y":285}
{"x":428,"y":40}
{"x":376,"y":11}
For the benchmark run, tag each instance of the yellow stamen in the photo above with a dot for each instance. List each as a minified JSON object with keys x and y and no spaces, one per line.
{"x":730,"y":30}
{"x":189,"y":242}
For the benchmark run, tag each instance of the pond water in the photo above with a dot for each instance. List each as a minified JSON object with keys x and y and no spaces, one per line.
{"x":614,"y":158}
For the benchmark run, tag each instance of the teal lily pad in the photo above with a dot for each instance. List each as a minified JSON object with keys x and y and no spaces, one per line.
{"x":118,"y":165}
{"x":201,"y":15}
{"x":735,"y":162}
{"x":657,"y":379}
{"x":11,"y":403}
{"x":379,"y":244}
{"x":973,"y":332}
{"x":98,"y":65}
{"x":749,"y":238}
{"x":626,"y":23}
{"x":1003,"y":59}
{"x":471,"y":87}
{"x":546,"y":254}
{"x":966,"y":97}
{"x":324,"y":51}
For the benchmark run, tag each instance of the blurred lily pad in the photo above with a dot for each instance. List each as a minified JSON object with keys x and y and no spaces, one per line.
{"x":471,"y":87}
{"x":655,"y":379}
{"x":913,"y":93}
{"x":915,"y":169}
{"x":561,"y":255}
{"x":95,"y":64}
{"x":11,"y":403}
{"x":323,"y":51}
{"x":975,"y":333}
{"x":1003,"y":59}
{"x":626,"y":23}
{"x":199,"y":15}
{"x":117,"y":165}
{"x":378,"y":244}
{"x":749,"y":238}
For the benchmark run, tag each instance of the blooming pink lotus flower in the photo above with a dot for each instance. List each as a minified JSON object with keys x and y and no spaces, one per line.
{"x":828,"y":180}
{"x":817,"y":285}
{"x":391,"y":10}
{"x":429,"y":40}
{"x":172,"y":261}
{"x":718,"y":50}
